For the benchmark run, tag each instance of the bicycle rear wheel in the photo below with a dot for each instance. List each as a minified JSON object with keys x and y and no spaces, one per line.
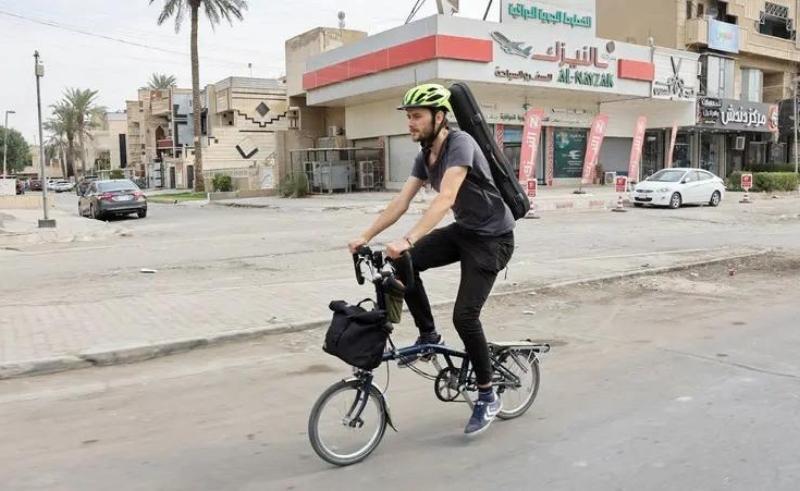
{"x":339,"y":431}
{"x":524,"y":364}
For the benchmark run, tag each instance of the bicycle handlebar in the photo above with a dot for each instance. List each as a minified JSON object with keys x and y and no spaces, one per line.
{"x":401,"y":265}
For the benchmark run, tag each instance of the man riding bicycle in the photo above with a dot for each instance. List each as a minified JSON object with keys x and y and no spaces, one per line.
{"x":481,"y":238}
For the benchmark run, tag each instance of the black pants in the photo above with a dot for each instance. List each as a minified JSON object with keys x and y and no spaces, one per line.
{"x":481,"y":259}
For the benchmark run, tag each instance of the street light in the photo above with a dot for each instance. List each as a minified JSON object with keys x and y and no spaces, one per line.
{"x":39,"y":71}
{"x":5,"y":144}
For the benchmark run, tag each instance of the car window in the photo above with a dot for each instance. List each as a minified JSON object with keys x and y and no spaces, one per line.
{"x":690,"y":177}
{"x":123,"y":185}
{"x":667,"y":175}
{"x":705,"y":176}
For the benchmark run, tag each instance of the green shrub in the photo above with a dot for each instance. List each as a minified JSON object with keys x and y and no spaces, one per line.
{"x":117,"y":174}
{"x":222,"y":183}
{"x":766,"y":181}
{"x":769,"y":168}
{"x":293,"y":186}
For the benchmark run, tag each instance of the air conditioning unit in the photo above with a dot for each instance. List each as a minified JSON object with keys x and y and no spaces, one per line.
{"x":366,"y":174}
{"x":739,"y":145}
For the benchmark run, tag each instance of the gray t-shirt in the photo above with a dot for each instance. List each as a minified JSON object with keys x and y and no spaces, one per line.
{"x":479,"y":208}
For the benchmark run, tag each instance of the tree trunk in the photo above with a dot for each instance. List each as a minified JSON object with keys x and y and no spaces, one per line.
{"x":63,"y":160}
{"x":70,"y":158}
{"x":83,"y":152}
{"x":199,"y":182}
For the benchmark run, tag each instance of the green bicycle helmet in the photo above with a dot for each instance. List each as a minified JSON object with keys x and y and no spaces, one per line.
{"x":432,"y":96}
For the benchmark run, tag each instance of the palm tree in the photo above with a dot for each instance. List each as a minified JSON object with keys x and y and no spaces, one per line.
{"x":54,"y":147}
{"x":63,"y":127}
{"x":161,"y":81}
{"x":86,"y":112}
{"x":215,"y":10}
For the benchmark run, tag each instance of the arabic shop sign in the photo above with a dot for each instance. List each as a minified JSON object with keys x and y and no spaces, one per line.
{"x":578,"y":77}
{"x":520,"y":11}
{"x":565,"y":76}
{"x":736,"y":115}
{"x":674,"y":86}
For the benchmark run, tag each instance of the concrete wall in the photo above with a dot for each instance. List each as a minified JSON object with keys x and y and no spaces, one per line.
{"x":634,"y":21}
{"x":300,"y":48}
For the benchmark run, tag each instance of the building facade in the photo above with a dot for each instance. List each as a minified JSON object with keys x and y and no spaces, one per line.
{"x":538,"y":56}
{"x":160,"y":128}
{"x":107,"y":148}
{"x":749,"y":56}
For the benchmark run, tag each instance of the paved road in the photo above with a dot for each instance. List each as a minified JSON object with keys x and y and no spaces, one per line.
{"x":689,"y":381}
{"x":223,"y":269}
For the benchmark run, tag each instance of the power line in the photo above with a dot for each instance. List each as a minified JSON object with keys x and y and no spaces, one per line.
{"x":76,"y":30}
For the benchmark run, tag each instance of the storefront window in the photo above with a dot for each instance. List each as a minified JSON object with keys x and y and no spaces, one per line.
{"x":711,"y":152}
{"x":756,"y":153}
{"x":652,"y":153}
{"x":512,"y":145}
{"x":682,"y":155}
{"x":570,"y":149}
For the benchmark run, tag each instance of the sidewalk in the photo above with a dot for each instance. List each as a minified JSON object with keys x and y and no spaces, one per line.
{"x":18,"y":227}
{"x":598,"y":198}
{"x":166,"y":313}
{"x":549,"y":199}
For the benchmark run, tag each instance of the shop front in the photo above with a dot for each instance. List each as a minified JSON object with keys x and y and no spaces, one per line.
{"x":520,"y":63}
{"x":733,"y":135}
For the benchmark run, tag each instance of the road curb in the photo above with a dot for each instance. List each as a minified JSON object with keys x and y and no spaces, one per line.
{"x":138,"y":353}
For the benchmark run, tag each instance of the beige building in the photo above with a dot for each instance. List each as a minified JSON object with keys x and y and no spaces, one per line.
{"x":749,"y":56}
{"x":106,"y":150}
{"x":159,"y":128}
{"x":311,"y":127}
{"x":240,"y":122}
{"x":243,"y":120}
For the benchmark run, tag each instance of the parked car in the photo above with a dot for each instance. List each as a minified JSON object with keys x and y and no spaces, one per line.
{"x":679,"y":186}
{"x":112,"y":197}
{"x":36,"y":185}
{"x":62,"y":186}
{"x":81,"y":187}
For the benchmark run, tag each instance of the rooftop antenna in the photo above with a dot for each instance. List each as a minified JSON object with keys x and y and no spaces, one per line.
{"x":340,"y":15}
{"x":417,"y":6}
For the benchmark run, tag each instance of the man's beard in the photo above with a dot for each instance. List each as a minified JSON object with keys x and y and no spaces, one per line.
{"x":422,"y":135}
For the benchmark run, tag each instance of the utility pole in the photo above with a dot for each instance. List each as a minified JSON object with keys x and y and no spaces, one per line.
{"x":794,"y":97}
{"x":39,"y":71}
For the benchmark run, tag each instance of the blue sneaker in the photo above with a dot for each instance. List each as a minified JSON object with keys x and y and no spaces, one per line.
{"x":483,"y":413}
{"x":433,"y":338}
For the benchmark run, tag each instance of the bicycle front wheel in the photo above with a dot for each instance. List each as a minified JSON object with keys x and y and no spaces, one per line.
{"x":517,"y":399}
{"x":347,"y":423}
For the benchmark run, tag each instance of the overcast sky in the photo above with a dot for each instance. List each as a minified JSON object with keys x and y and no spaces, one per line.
{"x":114,"y":45}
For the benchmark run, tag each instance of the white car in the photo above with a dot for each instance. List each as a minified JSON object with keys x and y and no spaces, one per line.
{"x":679,"y":186}
{"x":60,"y":186}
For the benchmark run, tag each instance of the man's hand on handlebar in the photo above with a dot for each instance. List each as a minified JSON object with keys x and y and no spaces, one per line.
{"x":396,"y":248}
{"x":354,"y":244}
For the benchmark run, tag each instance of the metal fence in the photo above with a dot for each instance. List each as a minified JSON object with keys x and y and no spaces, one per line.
{"x":349,"y":169}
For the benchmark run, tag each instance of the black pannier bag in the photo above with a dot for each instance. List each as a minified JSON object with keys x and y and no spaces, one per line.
{"x":357,"y":336}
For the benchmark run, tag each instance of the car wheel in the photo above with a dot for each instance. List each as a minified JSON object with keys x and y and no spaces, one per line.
{"x":675,"y":201}
{"x":142,"y":213}
{"x":715,"y":199}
